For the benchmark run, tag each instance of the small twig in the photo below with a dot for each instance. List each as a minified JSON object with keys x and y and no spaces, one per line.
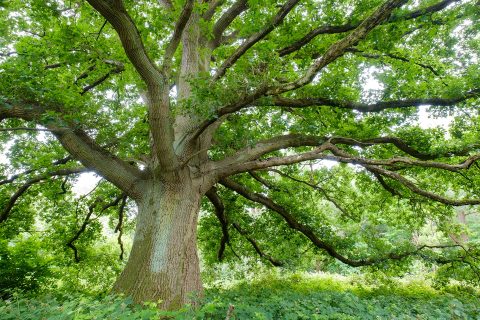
{"x":101,"y":29}
{"x":230,"y":310}
{"x":119,"y":67}
{"x":71,"y":243}
{"x":119,"y":227}
{"x":63,"y":186}
{"x":54,"y":65}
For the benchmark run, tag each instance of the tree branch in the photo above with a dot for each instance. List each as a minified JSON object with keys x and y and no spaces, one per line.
{"x":253,"y":39}
{"x":119,"y":227}
{"x":403,"y":146}
{"x":342,"y":156}
{"x":177,"y":35}
{"x":225,"y":20}
{"x":16,"y":176}
{"x":385,"y":185}
{"x":115,"y":13}
{"x":310,"y":234}
{"x":335,"y":51}
{"x":24,"y":129}
{"x":318,"y":188}
{"x":157,"y":83}
{"x":392,"y":56}
{"x":420,"y":12}
{"x":222,"y":218}
{"x":249,"y":158}
{"x":166,"y":3}
{"x":414,"y":188}
{"x":71,"y":242}
{"x":208,"y":15}
{"x":328,"y":29}
{"x":266,"y":146}
{"x":263,"y":181}
{"x":339,"y":48}
{"x":254,"y":244}
{"x":365,"y":107}
{"x":92,"y":156}
{"x":123,"y":198}
{"x":78,"y":144}
{"x":118,"y":68}
{"x":5,"y":213}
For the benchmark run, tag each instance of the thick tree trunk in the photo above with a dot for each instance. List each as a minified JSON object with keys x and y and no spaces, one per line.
{"x":163,"y":264}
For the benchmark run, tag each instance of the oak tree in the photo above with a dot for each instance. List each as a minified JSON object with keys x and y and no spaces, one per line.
{"x":233,"y":106}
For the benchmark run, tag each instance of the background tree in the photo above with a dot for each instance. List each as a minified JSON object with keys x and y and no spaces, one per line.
{"x":237,"y":101}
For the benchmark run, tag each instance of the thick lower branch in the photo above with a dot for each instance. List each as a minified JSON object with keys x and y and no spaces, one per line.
{"x":77,"y":143}
{"x":250,"y":158}
{"x":91,"y":155}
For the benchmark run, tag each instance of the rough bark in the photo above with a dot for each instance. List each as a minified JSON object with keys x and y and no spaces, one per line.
{"x":163,"y":264}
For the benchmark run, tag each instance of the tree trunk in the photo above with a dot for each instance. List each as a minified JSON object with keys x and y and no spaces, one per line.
{"x":163,"y":264}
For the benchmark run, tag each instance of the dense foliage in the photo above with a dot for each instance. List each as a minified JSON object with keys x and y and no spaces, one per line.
{"x":289,"y":132}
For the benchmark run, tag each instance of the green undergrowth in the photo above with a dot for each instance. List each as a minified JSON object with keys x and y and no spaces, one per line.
{"x":293,"y":297}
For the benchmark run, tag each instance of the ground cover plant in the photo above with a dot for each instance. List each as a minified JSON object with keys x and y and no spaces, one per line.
{"x":293,"y":297}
